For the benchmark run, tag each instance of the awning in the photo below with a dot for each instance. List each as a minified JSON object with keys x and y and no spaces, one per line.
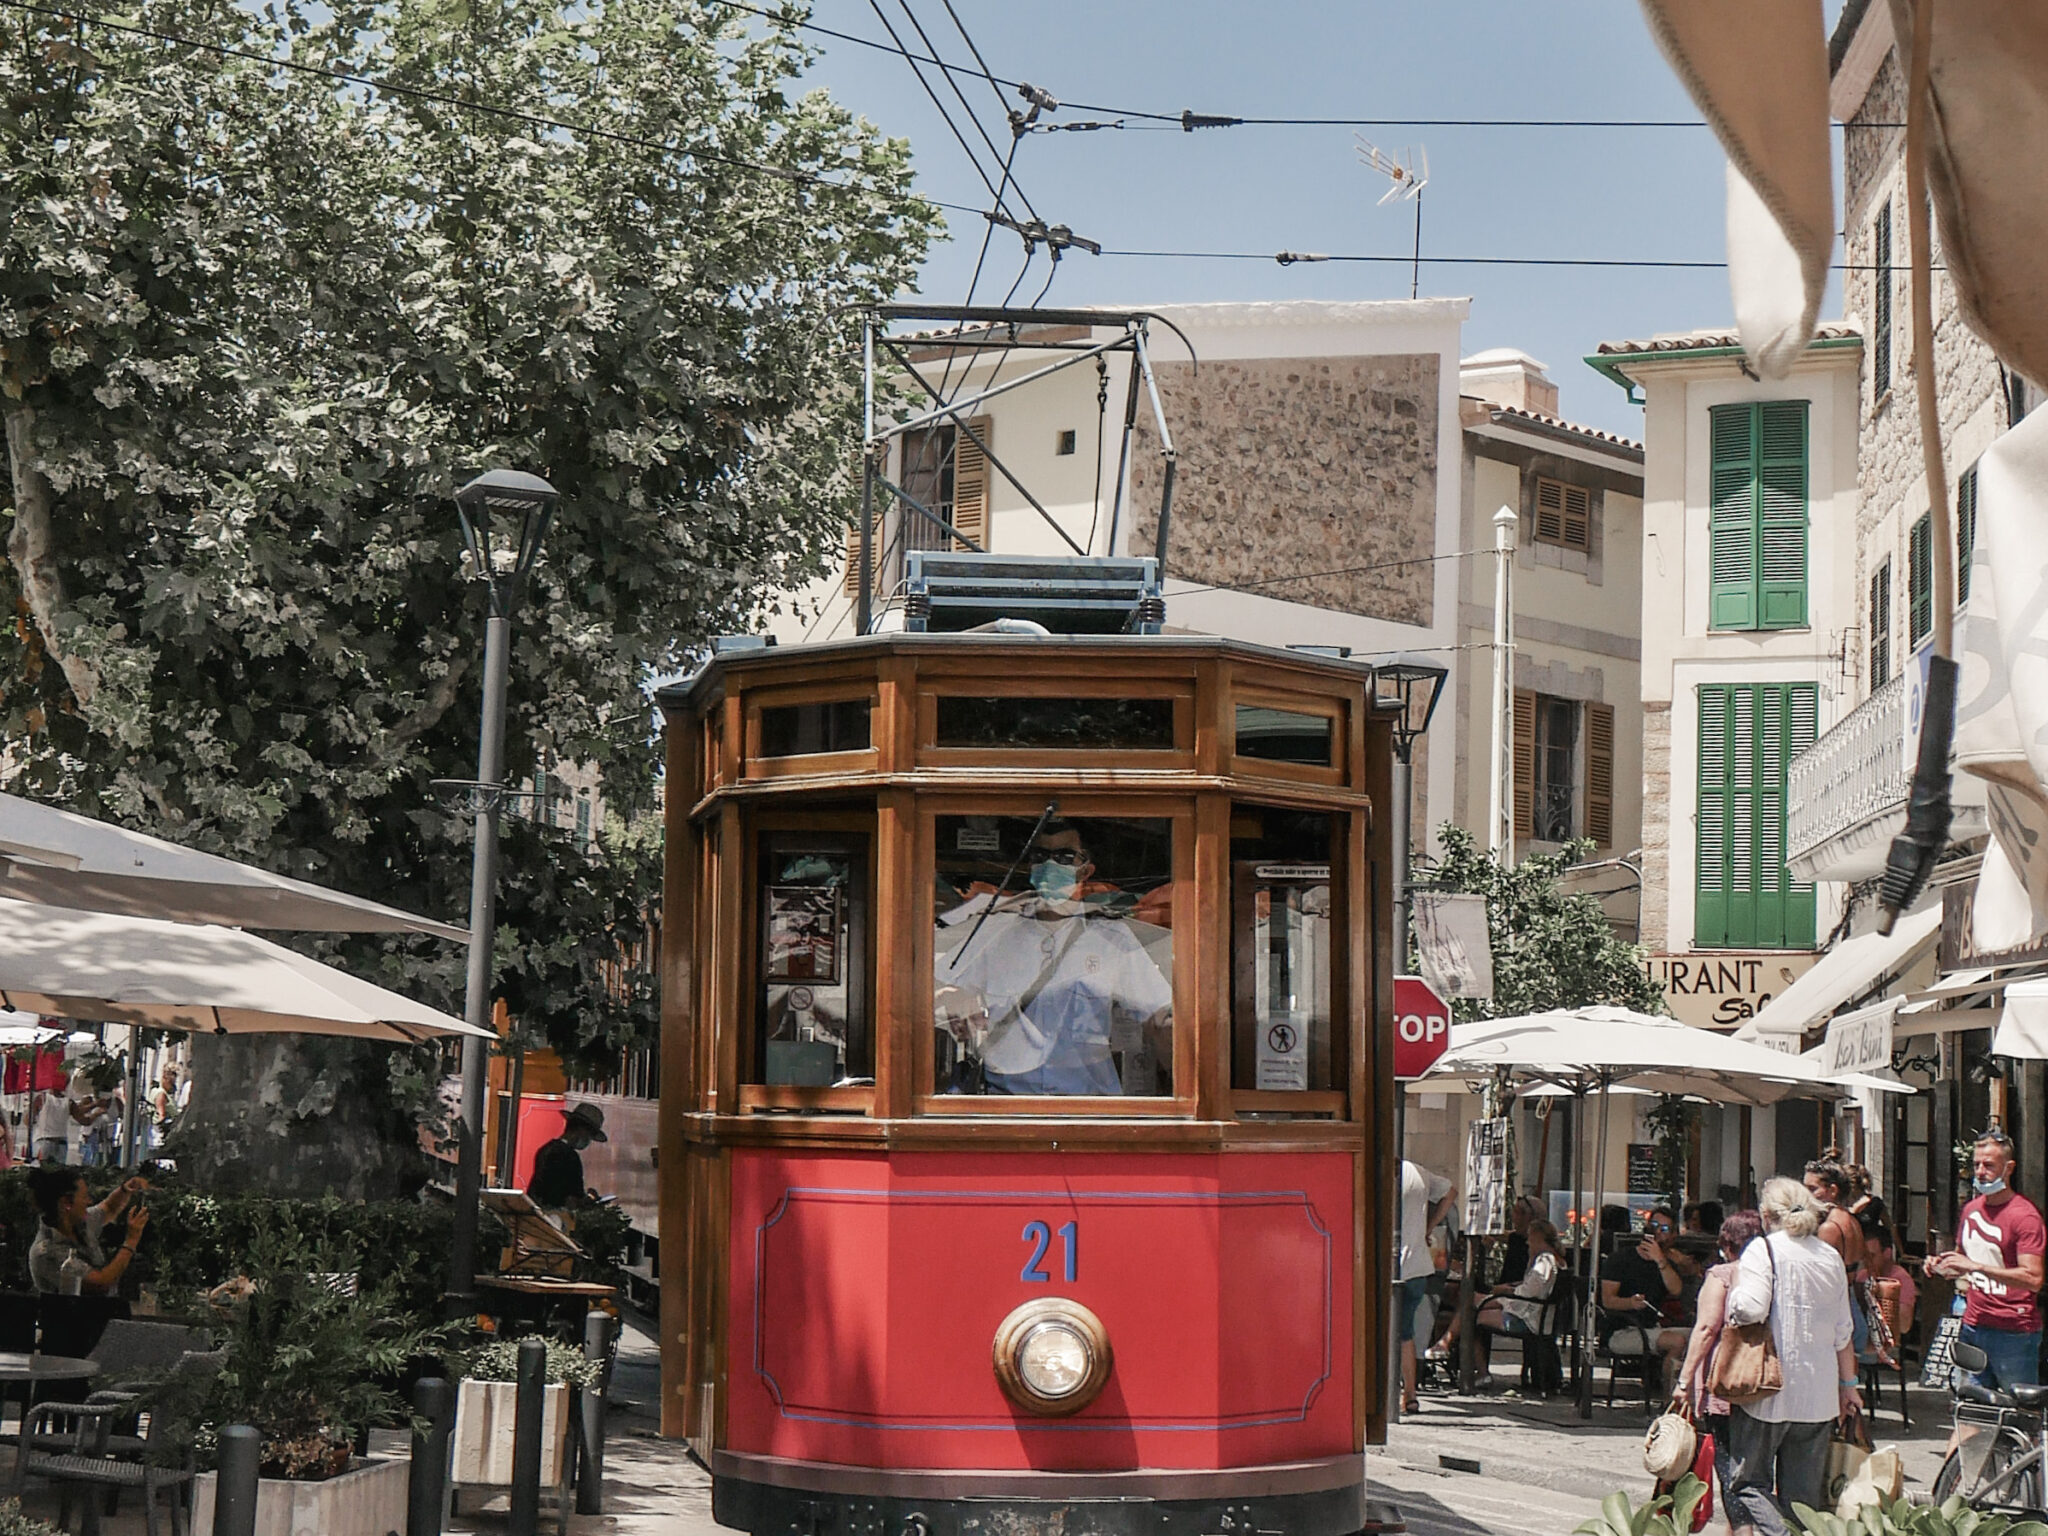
{"x":2023,"y":1028}
{"x":1853,"y":969}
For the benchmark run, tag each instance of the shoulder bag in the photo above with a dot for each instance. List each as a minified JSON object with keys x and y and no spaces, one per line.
{"x":1746,"y":1364}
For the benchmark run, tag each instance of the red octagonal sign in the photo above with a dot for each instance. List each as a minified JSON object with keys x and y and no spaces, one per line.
{"x":1422,"y":1027}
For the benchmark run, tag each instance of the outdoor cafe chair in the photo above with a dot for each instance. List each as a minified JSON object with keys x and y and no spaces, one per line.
{"x":97,"y":1463}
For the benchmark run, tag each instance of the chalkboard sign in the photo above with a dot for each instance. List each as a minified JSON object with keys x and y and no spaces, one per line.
{"x":1938,"y":1370}
{"x":1642,"y":1169}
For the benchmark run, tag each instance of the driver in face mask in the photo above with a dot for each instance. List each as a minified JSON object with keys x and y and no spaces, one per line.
{"x":1061,"y":866}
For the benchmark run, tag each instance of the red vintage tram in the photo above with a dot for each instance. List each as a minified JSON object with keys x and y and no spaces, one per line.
{"x":1026,"y":1094}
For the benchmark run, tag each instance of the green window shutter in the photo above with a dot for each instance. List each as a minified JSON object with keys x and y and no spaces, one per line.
{"x":1920,"y":581}
{"x":1966,"y":532}
{"x":1732,"y":519}
{"x":1781,"y":514}
{"x":1744,"y":897}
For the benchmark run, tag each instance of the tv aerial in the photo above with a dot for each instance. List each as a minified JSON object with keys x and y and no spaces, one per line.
{"x":1405,"y":182}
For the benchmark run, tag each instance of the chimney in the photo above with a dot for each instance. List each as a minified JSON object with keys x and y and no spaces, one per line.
{"x":1507,"y":376}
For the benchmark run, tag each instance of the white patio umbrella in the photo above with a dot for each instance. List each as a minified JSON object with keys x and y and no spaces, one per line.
{"x":25,"y":1029}
{"x":70,"y":860}
{"x":65,"y":963}
{"x":1586,"y":1050}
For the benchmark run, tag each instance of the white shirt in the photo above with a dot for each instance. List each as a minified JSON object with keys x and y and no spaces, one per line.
{"x":1532,"y":1293}
{"x":1420,"y":1189}
{"x":1809,"y":1312}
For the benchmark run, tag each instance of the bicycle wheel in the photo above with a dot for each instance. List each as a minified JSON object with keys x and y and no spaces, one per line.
{"x":2022,"y":1490}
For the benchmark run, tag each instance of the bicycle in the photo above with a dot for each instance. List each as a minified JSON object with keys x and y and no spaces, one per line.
{"x":2001,"y":1451}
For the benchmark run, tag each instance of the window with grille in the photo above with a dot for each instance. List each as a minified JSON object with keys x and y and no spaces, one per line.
{"x":1920,"y":581}
{"x":1564,"y":514}
{"x":1757,"y":516}
{"x":1744,"y":897}
{"x":1881,"y":627}
{"x":1564,"y":769}
{"x":1881,"y":303}
{"x":1966,"y":532}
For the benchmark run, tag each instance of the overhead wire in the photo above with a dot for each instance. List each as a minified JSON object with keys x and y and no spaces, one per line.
{"x":388,"y":87}
{"x":972,"y":115}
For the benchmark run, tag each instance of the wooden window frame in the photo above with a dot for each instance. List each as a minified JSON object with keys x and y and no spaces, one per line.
{"x":1258,"y":695}
{"x":973,"y":495}
{"x":934,"y":685}
{"x":1180,"y":810}
{"x":1556,"y":523}
{"x":745,"y":1016}
{"x":808,"y":764}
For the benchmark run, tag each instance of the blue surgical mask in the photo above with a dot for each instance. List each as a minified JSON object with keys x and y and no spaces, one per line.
{"x":1988,"y":1186}
{"x":1054,"y":881}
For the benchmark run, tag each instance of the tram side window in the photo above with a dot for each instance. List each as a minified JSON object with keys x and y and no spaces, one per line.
{"x":1052,"y":958}
{"x":796,"y":730}
{"x":813,"y":926}
{"x":1282,"y":948}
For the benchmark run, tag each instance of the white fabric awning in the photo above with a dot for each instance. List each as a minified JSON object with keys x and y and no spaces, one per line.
{"x":2023,"y":1026}
{"x":1854,"y":968}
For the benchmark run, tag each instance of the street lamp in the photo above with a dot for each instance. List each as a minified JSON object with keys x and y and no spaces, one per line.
{"x":1410,"y":685}
{"x":505,"y":515}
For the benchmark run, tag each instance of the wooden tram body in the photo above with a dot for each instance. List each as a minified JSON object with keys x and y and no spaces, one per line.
{"x":887,"y":1135}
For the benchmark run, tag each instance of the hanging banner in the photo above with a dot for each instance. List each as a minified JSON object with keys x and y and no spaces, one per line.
{"x":1453,"y":942}
{"x":1486,"y":1178}
{"x":1860,"y":1041}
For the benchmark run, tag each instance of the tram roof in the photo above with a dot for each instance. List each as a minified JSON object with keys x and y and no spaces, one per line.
{"x":687,"y":691}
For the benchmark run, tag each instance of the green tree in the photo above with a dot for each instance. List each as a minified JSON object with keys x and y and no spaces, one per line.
{"x":1552,"y":948}
{"x":259,"y":318}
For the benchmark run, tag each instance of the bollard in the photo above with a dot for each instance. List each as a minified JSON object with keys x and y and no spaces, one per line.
{"x":427,"y":1486}
{"x":234,"y":1485}
{"x":526,"y":1431}
{"x":598,"y":1329}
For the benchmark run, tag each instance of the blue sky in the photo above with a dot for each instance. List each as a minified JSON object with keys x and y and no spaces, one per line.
{"x":1642,"y":193}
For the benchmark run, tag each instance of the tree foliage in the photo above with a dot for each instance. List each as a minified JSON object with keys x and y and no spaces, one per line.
{"x":1552,"y":948}
{"x":258,"y":319}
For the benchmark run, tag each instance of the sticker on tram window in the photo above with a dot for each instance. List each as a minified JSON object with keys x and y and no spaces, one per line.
{"x":803,"y":933}
{"x":1039,"y":1235}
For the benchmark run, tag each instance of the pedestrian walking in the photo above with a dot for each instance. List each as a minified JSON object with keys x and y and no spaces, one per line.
{"x":1709,"y":1412}
{"x":1425,"y":1196}
{"x":1778,"y":1444}
{"x":2000,"y":1239}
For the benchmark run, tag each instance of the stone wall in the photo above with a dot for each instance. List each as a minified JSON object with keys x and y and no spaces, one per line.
{"x":1889,"y":459}
{"x":1657,"y":828}
{"x":1291,"y":466}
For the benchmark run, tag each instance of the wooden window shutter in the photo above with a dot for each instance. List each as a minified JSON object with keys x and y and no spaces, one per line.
{"x":850,"y":583}
{"x":971,"y":485}
{"x":1781,"y":514}
{"x":1710,"y":864}
{"x":1564,"y":514}
{"x":1525,"y":764}
{"x":1744,"y":896}
{"x":1600,"y":774}
{"x":1731,"y":519}
{"x":1920,"y":580}
{"x":1881,"y":626}
{"x":1550,"y":511}
{"x":1578,"y":517}
{"x":1881,"y":306}
{"x":1966,"y":531}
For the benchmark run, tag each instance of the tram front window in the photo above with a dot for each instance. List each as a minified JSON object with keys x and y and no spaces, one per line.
{"x":1052,"y":956}
{"x":814,"y":1030}
{"x":1281,"y":940}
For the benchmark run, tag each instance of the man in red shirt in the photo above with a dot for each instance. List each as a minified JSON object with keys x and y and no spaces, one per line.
{"x":2000,"y":1240}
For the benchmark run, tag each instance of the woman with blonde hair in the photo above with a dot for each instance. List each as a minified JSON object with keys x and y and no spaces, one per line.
{"x":1778,"y":1444}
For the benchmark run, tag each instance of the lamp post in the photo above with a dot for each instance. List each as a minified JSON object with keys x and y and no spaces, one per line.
{"x":519,"y":507}
{"x":1409,"y":685}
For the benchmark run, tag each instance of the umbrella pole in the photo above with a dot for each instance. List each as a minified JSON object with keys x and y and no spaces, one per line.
{"x":127,"y":1159}
{"x":1581,"y":1354}
{"x":1593,"y":1285}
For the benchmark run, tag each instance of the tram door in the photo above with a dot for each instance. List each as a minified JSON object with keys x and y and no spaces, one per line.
{"x":813,"y":934}
{"x":1280,"y":974}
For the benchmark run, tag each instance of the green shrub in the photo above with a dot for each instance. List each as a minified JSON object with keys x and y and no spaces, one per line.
{"x":1669,"y":1514}
{"x":499,"y":1361}
{"x":14,"y":1523}
{"x":1901,"y":1518}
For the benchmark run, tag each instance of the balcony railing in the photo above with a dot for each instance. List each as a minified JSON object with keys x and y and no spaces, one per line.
{"x":1846,"y":794}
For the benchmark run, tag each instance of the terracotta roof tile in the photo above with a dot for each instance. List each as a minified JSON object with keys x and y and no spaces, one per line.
{"x":1694,"y":341}
{"x":1559,"y":424}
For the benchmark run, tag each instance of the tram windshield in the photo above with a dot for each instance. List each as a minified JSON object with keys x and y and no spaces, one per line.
{"x":1052,"y":956}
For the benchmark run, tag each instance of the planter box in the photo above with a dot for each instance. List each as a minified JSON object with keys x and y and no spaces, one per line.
{"x":367,"y":1500}
{"x":484,"y":1415}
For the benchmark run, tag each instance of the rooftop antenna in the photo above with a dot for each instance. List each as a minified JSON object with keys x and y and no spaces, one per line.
{"x":1407,"y":183}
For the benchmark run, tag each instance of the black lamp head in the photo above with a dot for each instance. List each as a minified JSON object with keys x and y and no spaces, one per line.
{"x":519,"y":504}
{"x":1412,"y":685}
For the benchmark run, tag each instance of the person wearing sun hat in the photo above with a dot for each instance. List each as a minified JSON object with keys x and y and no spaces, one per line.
{"x":557,"y":1182}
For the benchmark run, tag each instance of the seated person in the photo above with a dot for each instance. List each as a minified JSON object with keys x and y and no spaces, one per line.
{"x":1894,"y":1287}
{"x":1636,"y":1282}
{"x":68,"y":1256}
{"x":1515,"y":1307}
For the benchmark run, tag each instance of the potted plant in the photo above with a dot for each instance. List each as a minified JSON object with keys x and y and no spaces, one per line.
{"x":14,"y":1523}
{"x":486,"y":1403}
{"x":311,"y":1361}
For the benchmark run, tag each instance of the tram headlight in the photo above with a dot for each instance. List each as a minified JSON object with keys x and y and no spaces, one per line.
{"x":1052,"y":1356}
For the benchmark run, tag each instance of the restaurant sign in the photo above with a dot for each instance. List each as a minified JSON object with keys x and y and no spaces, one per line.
{"x":1720,"y":989}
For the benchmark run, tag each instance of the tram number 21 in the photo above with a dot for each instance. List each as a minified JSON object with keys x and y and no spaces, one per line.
{"x":1039,"y":1236}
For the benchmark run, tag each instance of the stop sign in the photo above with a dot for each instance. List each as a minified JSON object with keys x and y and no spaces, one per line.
{"x":1422,"y":1027}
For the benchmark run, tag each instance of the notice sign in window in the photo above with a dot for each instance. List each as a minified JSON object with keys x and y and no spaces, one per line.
{"x":803,"y":933}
